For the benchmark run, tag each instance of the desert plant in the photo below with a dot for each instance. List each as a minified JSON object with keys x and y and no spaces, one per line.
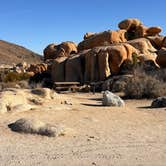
{"x":13,"y":77}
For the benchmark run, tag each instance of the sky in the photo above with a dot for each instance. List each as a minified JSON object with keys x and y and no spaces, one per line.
{"x":36,"y":23}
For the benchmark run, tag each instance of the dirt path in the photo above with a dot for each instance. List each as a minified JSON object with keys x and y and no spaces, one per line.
{"x":129,"y":136}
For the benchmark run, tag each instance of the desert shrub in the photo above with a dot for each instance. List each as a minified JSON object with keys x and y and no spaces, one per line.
{"x":145,"y":85}
{"x":13,"y":77}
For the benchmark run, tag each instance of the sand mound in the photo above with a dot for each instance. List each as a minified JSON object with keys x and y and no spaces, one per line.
{"x":19,"y":100}
{"x":44,"y":93}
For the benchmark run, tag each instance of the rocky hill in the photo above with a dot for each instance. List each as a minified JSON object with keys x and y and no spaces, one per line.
{"x":11,"y":53}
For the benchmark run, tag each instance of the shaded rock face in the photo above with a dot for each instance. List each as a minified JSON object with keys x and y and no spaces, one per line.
{"x":74,"y":69}
{"x":110,"y":99}
{"x":161,"y":57}
{"x":159,"y":102}
{"x":32,"y":126}
{"x":156,"y":41}
{"x":58,"y":69}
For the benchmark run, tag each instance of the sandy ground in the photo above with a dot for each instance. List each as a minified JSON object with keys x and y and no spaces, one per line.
{"x":134,"y":135}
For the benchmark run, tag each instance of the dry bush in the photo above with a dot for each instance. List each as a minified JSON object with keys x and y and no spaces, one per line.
{"x":146,"y":85}
{"x":13,"y":77}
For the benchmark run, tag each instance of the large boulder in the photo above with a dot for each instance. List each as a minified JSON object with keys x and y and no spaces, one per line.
{"x":129,"y":24}
{"x":143,"y":31}
{"x":135,"y":29}
{"x":110,"y":99}
{"x":101,"y":62}
{"x":58,"y":69}
{"x":69,"y":48}
{"x":50,"y":51}
{"x":102,"y":39}
{"x":74,"y":69}
{"x":32,"y":126}
{"x":119,"y":54}
{"x":65,"y":49}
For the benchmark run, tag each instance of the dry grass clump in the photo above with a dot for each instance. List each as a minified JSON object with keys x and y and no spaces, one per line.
{"x":146,"y":85}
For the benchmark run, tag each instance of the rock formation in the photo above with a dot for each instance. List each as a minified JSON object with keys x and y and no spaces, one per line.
{"x":103,"y":54}
{"x":52,"y":51}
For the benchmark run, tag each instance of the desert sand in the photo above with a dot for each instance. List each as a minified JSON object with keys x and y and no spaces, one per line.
{"x":127,"y":136}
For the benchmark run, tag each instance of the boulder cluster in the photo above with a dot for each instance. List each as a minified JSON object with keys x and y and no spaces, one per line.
{"x":103,"y":54}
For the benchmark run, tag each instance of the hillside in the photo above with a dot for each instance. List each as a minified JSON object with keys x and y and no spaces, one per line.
{"x":11,"y":53}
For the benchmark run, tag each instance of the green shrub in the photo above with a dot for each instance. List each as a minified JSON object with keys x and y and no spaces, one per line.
{"x":13,"y":77}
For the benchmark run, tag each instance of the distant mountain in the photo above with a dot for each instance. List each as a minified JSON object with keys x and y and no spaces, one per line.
{"x":11,"y":53}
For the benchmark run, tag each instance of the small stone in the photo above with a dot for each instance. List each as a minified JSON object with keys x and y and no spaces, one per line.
{"x":110,"y":99}
{"x":159,"y":102}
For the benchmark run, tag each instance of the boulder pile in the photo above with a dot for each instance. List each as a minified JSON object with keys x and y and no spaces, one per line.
{"x":103,"y":54}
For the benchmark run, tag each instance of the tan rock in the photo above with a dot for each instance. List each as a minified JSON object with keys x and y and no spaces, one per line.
{"x":88,"y":35}
{"x":118,"y":54}
{"x":103,"y":39}
{"x":103,"y":64}
{"x":152,"y":31}
{"x":129,"y":24}
{"x":64,"y":49}
{"x":147,"y":51}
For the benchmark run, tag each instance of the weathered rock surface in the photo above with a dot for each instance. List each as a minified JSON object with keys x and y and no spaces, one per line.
{"x":32,"y":126}
{"x":110,"y":99}
{"x":74,"y":69}
{"x":102,"y":39}
{"x":58,"y":69}
{"x":159,"y":102}
{"x":52,"y":51}
{"x":161,"y":57}
{"x":147,"y":51}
